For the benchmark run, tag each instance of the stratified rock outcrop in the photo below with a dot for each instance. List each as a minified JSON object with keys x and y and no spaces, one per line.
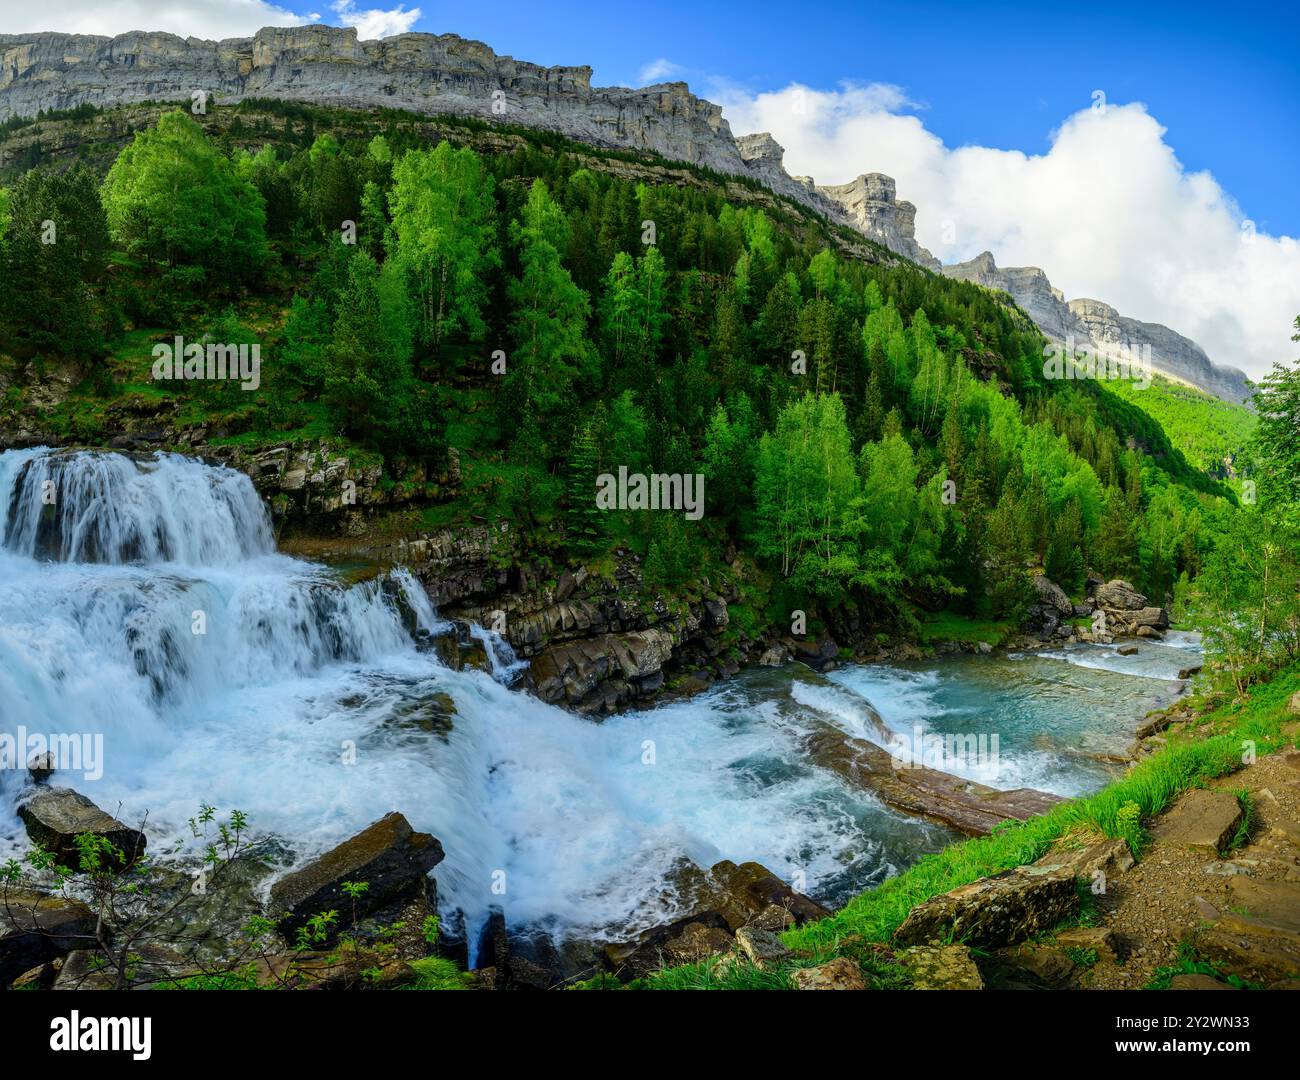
{"x":871,"y":206}
{"x":1090,"y":322}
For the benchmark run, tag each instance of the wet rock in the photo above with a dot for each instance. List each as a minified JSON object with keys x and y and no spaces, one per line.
{"x":1149,"y":632}
{"x":1188,"y":672}
{"x":391,"y":857}
{"x":941,"y":967}
{"x":1000,"y":910}
{"x":774,"y":656}
{"x":838,"y":974}
{"x":41,"y":767}
{"x":1201,"y":820}
{"x":649,"y":951}
{"x":35,"y":928}
{"x":148,"y":965}
{"x":756,"y":889}
{"x":55,"y":817}
{"x":696,"y":943}
{"x":965,"y":805}
{"x":1127,"y":650}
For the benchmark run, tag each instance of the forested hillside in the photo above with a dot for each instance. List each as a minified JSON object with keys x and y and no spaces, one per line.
{"x":881,"y":439}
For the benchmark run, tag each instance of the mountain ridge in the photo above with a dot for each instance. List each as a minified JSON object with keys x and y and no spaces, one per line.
{"x":446,"y":73}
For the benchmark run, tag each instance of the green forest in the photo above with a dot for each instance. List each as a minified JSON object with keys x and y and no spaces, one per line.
{"x":879,"y":439}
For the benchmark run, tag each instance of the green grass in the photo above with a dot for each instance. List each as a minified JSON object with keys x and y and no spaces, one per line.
{"x":437,"y":973}
{"x":1188,"y":963}
{"x":949,"y":626}
{"x":1115,"y":811}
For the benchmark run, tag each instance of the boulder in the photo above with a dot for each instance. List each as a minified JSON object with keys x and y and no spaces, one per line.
{"x":1202,"y":820}
{"x":1120,"y":596}
{"x":774,"y":656}
{"x":1052,"y":595}
{"x":35,"y":928}
{"x":55,"y":817}
{"x":391,"y":857}
{"x":754,"y":887}
{"x":838,"y":974}
{"x":1149,"y":632}
{"x":1127,"y":650}
{"x":941,"y":967}
{"x":1110,"y":857}
{"x":1156,"y":618}
{"x":994,"y":911}
{"x":1293,"y":704}
{"x":696,"y":943}
{"x":762,"y":948}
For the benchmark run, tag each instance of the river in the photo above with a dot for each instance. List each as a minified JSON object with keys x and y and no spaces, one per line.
{"x":142,"y":601}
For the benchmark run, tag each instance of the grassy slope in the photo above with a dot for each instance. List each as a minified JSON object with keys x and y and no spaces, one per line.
{"x":1205,"y":429}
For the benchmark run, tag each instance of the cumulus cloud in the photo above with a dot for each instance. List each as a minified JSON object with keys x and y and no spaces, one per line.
{"x":186,"y":18}
{"x":192,"y":18}
{"x":1108,"y":211}
{"x":658,"y":71}
{"x":376,"y":22}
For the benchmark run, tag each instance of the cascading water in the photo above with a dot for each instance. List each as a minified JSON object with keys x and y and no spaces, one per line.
{"x":142,"y":599}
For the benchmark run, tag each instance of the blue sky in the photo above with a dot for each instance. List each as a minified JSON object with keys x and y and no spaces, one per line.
{"x":1224,"y":80}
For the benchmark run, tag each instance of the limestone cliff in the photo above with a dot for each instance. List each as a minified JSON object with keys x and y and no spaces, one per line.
{"x":425,"y":73}
{"x":1172,"y":355}
{"x":872,"y":208}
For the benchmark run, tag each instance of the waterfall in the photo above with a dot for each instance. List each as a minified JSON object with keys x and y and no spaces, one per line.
{"x":142,"y":600}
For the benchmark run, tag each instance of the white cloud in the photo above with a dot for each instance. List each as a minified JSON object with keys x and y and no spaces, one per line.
{"x":186,"y":18}
{"x":659,"y":70}
{"x":191,"y":18}
{"x":375,"y":22}
{"x":1108,"y":211}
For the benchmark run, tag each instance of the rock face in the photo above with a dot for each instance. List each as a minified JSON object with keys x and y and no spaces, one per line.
{"x":389,"y":856}
{"x":330,"y":66}
{"x":35,"y":928}
{"x":1091,"y":321}
{"x":871,"y":207}
{"x":55,"y":817}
